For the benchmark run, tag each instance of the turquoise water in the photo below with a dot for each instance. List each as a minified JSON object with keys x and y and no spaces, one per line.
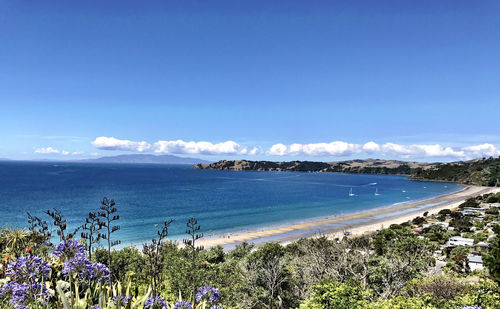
{"x":222,"y":201}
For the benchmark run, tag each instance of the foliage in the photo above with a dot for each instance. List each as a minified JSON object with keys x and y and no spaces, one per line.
{"x":492,"y":259}
{"x":336,"y":295}
{"x":483,"y":172}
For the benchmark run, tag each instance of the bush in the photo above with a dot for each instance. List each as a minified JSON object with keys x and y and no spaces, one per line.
{"x":419,"y":221}
{"x":444,"y":212}
{"x":470,"y":202}
{"x":493,"y":199}
{"x":492,"y":211}
{"x":336,"y":295}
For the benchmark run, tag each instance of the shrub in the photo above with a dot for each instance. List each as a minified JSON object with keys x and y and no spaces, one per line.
{"x":336,"y":295}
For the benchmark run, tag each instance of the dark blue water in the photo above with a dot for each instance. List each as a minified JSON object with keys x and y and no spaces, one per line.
{"x":222,"y":201}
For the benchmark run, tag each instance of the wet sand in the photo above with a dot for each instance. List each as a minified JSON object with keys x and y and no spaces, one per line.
{"x":356,"y":224}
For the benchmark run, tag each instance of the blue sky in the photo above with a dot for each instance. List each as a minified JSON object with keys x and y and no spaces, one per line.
{"x":277,"y":80}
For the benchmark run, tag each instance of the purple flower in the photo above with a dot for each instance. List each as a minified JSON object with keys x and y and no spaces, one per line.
{"x":472,"y":307}
{"x":85,"y":269}
{"x":121,"y":300}
{"x":25,"y":288}
{"x":209,"y":293}
{"x":28,"y":268}
{"x":155,"y":303}
{"x":182,"y":305}
{"x":100,"y":272}
{"x":22,"y":294}
{"x":215,"y":307}
{"x":69,"y":249}
{"x":78,"y":265}
{"x":95,"y":307}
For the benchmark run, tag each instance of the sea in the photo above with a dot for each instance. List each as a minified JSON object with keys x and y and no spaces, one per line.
{"x":223,"y":202}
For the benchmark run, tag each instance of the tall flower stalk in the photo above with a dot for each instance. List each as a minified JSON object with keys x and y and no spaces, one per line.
{"x":108,"y":216}
{"x":192,"y":230}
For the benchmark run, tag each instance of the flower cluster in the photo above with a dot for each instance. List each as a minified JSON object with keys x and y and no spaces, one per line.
{"x":24,"y":287}
{"x":85,"y":269}
{"x":69,"y":249}
{"x":21,"y":295}
{"x":155,"y":303}
{"x":208,"y":293}
{"x":101,"y":272}
{"x":95,"y":307}
{"x":472,"y":307}
{"x":121,"y":300}
{"x":28,"y":268}
{"x":183,"y":305}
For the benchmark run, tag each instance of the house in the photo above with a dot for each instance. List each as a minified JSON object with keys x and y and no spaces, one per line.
{"x":473,"y":211}
{"x":459,"y":241}
{"x":475,"y":262}
{"x":481,"y":246}
{"x":441,"y":224}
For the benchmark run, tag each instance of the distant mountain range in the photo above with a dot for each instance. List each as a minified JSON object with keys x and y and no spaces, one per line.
{"x":146,"y":159}
{"x":131,"y":159}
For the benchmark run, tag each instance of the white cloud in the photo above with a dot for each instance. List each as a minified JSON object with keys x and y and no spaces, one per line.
{"x":94,"y":154}
{"x":371,"y":147}
{"x":77,"y":153}
{"x":207,"y":148}
{"x":483,"y":150}
{"x":337,"y":148}
{"x":65,"y":153}
{"x":407,"y":151}
{"x":111,"y":143}
{"x":46,"y":150}
{"x":277,"y":150}
{"x":255,"y":151}
{"x":418,"y":151}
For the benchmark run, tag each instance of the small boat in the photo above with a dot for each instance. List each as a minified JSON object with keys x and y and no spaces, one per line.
{"x":350,"y":193}
{"x":376,"y":192}
{"x":403,"y":191}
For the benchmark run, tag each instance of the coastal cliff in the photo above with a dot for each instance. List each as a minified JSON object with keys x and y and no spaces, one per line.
{"x":481,"y":172}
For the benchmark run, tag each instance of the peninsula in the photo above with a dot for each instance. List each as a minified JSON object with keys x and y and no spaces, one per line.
{"x":480,"y":172}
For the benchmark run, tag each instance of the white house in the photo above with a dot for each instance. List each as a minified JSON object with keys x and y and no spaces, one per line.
{"x":459,"y":241}
{"x":475,"y":262}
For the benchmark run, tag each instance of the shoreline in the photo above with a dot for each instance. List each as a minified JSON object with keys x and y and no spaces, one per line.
{"x":357,"y":224}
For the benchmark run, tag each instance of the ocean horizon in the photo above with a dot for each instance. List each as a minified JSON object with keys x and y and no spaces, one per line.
{"x":222,"y":201}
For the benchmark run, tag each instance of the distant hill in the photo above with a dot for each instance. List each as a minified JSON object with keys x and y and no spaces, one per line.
{"x":367,"y":166}
{"x":146,"y":159}
{"x":483,"y":172}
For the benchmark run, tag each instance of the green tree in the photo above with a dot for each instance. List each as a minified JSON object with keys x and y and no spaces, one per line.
{"x":492,"y":259}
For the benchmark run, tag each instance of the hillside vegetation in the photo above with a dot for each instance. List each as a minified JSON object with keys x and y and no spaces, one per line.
{"x":482,"y":172}
{"x":368,"y":166}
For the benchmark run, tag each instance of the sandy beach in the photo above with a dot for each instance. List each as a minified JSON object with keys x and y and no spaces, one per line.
{"x":356,"y":224}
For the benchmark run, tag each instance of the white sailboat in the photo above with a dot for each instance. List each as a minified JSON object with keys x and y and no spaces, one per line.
{"x":376,"y":192}
{"x":350,"y":193}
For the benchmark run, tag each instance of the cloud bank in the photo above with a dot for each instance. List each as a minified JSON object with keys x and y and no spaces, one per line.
{"x":328,"y":149}
{"x":174,"y":147}
{"x":111,"y":143}
{"x":207,"y":148}
{"x":318,"y":149}
{"x":339,"y":149}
